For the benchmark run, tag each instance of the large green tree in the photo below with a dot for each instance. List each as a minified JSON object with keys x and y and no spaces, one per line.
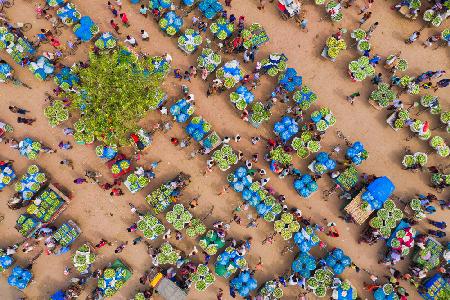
{"x":115,"y":92}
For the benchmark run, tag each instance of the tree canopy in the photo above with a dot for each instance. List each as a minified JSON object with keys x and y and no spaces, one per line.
{"x":115,"y":92}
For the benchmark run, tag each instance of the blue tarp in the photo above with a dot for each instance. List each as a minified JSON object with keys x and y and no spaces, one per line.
{"x":436,"y":288}
{"x":59,"y":295}
{"x":381,"y":188}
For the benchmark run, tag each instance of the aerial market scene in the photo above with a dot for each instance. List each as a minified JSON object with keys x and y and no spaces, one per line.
{"x":224,"y":149}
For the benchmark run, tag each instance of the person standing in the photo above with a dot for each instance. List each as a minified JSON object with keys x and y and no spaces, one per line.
{"x":124,"y":19}
{"x":144,"y":35}
{"x":143,"y":10}
{"x":413,"y":37}
{"x":131,"y":40}
{"x":228,"y":3}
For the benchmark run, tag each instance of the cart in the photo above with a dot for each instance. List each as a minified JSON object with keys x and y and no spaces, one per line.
{"x":355,"y":209}
{"x":391,"y":119}
{"x":67,"y":233}
{"x":118,"y":161}
{"x":289,"y":8}
{"x":166,"y":288}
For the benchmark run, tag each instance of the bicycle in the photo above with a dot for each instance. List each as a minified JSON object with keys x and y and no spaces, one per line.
{"x":57,"y":29}
{"x":72,"y":47}
{"x":24,"y":27}
{"x":6,"y":4}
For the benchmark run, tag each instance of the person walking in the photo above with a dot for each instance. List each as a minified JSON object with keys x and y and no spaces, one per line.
{"x":144,"y":35}
{"x":352,"y":97}
{"x":228,"y":3}
{"x":18,"y":110}
{"x":413,"y":37}
{"x":79,"y":180}
{"x":365,"y":17}
{"x":442,"y":84}
{"x":440,"y":225}
{"x":131,"y":40}
{"x":115,"y":26}
{"x":124,"y":19}
{"x":67,"y":162}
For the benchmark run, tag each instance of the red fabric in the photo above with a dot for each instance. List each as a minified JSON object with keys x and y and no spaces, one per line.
{"x":134,"y":137}
{"x":281,"y":6}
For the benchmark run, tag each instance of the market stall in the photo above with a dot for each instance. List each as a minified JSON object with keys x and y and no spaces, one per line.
{"x":6,"y":261}
{"x":6,"y":71}
{"x":167,"y":254}
{"x":305,"y":144}
{"x":356,"y":153}
{"x":106,"y":41}
{"x":275,"y":64}
{"x":190,"y":41}
{"x":198,"y":128}
{"x":56,"y":113}
{"x":161,"y":198}
{"x":289,"y":80}
{"x":222,"y":28}
{"x":114,"y":278}
{"x":171,"y":23}
{"x":228,"y":262}
{"x":83,"y":258}
{"x":322,"y":164}
{"x":242,"y":97}
{"x":202,"y":278}
{"x":305,"y":186}
{"x":402,"y":238}
{"x":286,"y":128}
{"x":254,"y":36}
{"x":212,"y":141}
{"x":27,"y":225}
{"x":304,"y":264}
{"x":106,"y":152}
{"x":30,"y":183}
{"x":42,"y":68}
{"x":289,"y":8}
{"x":333,"y":48}
{"x":29,"y":148}
{"x":337,"y":260}
{"x":209,"y":60}
{"x":68,"y":14}
{"x":271,"y":290}
{"x":119,"y":166}
{"x":48,"y":205}
{"x":244,"y":283}
{"x":182,"y":110}
{"x":435,"y":288}
{"x":86,"y":29}
{"x":7,"y":174}
{"x":210,"y":8}
{"x":230,"y":73}
{"x":136,"y":181}
{"x":211,"y":242}
{"x":348,"y":178}
{"x":428,"y":257}
{"x":323,"y":119}
{"x":67,"y":233}
{"x":20,"y":277}
{"x":66,"y":79}
{"x":225,"y":157}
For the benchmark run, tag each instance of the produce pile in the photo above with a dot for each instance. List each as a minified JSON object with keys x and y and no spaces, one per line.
{"x":120,"y":167}
{"x":168,"y":254}
{"x":228,"y":262}
{"x":289,"y":80}
{"x":158,"y":65}
{"x":66,"y":79}
{"x":106,"y":152}
{"x":106,"y":41}
{"x":280,"y":156}
{"x":418,"y":159}
{"x":225,"y":157}
{"x":271,"y":289}
{"x":55,"y":3}
{"x":386,"y":292}
{"x":135,"y":182}
{"x":230,"y":73}
{"x":42,"y":68}
{"x":321,"y":281}
{"x":440,"y":179}
{"x":386,"y":219}
{"x":83,"y":135}
{"x":212,"y":141}
{"x":83,"y":258}
{"x":46,"y":205}
{"x":66,"y":234}
{"x":195,"y":228}
{"x":408,"y":83}
{"x":306,"y":239}
{"x":423,"y":131}
{"x":6,"y":261}
{"x":334,"y":47}
{"x":69,"y":14}
{"x":86,"y":29}
{"x":333,"y":8}
{"x":190,"y":41}
{"x":222,"y":28}
{"x":159,"y":4}
{"x":209,"y":60}
{"x":322,"y":164}
{"x":356,"y":153}
{"x":210,"y":8}
{"x":198,"y":128}
{"x":26,"y":224}
{"x":402,"y":240}
{"x":348,"y":178}
{"x":429,"y":256}
{"x":337,"y":261}
{"x":383,"y":95}
{"x":304,"y":97}
{"x":345,"y":291}
{"x":7,"y":175}
{"x":441,"y":147}
{"x":401,"y":117}
{"x":304,"y":145}
{"x":244,"y":283}
{"x":6,"y":71}
{"x":19,"y":277}
{"x":259,"y":114}
{"x":30,"y":182}
{"x":182,"y":110}
{"x":432,"y":103}
{"x":113,"y":279}
{"x":286,"y":128}
{"x":305,"y":185}
{"x":416,"y":207}
{"x":304,"y":264}
{"x":286,"y":226}
{"x":56,"y":113}
{"x":211,"y":242}
{"x":274,"y":64}
{"x":160,"y":198}
{"x":254,"y":36}
{"x":434,"y":16}
{"x":171,"y":23}
{"x":241,"y":97}
{"x":178,"y":217}
{"x":360,"y":69}
{"x":202,"y":278}
{"x":323,"y":119}
{"x":150,"y":226}
{"x":266,"y":205}
{"x":240,"y":179}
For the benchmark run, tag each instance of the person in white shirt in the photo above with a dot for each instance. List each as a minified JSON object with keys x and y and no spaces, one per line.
{"x":144,"y":35}
{"x":131,"y":40}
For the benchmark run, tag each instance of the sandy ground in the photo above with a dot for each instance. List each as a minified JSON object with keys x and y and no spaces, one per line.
{"x":101,"y":216}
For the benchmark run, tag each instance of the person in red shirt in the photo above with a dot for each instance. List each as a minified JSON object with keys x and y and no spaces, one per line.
{"x":116,"y":192}
{"x":114,"y":26}
{"x":124,"y":18}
